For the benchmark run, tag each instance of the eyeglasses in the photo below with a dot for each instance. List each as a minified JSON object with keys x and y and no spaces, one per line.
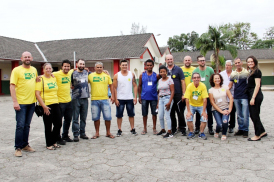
{"x":195,"y":77}
{"x":201,"y":61}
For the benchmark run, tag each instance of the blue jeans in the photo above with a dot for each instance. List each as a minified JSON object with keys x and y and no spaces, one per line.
{"x":23,"y":120}
{"x":164,"y":113}
{"x":100,"y":105}
{"x":199,"y":110}
{"x":80,"y":107}
{"x":66,"y":111}
{"x":222,"y":121}
{"x":242,"y":110}
{"x":129,"y":106}
{"x":153,"y":105}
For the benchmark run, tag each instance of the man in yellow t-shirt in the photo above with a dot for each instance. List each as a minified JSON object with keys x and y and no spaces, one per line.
{"x":187,"y":69}
{"x":22,"y":90}
{"x":63,"y":78}
{"x":196,"y":100}
{"x":99,"y":82}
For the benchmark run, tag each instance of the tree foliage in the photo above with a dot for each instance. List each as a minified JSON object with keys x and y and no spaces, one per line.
{"x":269,"y":34}
{"x":137,"y":29}
{"x":263,"y":44}
{"x":242,"y":36}
{"x":216,"y":39}
{"x":184,"y":42}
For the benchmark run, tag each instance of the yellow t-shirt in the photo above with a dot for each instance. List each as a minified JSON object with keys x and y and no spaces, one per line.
{"x":196,"y":94}
{"x":188,"y":74}
{"x":63,"y":82}
{"x":99,"y":85}
{"x":24,"y":79}
{"x":50,"y":90}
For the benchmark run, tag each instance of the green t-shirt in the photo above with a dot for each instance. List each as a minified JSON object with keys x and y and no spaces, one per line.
{"x":205,"y":75}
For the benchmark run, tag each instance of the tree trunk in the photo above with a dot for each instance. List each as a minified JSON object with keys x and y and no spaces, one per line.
{"x":217,"y":61}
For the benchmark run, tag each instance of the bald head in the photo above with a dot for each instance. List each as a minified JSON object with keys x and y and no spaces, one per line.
{"x":187,"y":61}
{"x":26,"y":58}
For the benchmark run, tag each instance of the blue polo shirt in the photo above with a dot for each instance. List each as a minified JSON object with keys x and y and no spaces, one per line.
{"x":177,"y":75}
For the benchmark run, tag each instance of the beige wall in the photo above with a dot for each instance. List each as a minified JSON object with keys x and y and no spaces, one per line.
{"x":267,"y":69}
{"x":6,"y":70}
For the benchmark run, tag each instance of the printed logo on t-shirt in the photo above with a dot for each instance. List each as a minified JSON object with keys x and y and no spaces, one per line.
{"x":51,"y":85}
{"x":196,"y":93}
{"x":98,"y":79}
{"x":235,"y":81}
{"x":29,"y":76}
{"x":173,"y":76}
{"x":65,"y":80}
{"x":187,"y":74}
{"x":128,"y":79}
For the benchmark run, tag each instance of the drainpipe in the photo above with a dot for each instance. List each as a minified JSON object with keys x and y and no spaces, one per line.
{"x":42,"y":54}
{"x":74,"y":55}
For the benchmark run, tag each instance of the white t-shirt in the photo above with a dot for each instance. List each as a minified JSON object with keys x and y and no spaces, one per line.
{"x":164,"y":86}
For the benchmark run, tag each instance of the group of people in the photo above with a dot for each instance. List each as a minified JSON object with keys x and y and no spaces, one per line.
{"x":199,"y":89}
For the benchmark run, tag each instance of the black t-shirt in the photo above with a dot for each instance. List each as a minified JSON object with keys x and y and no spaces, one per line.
{"x":251,"y":79}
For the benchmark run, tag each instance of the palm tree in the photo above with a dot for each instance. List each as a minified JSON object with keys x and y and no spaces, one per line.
{"x":216,"y":39}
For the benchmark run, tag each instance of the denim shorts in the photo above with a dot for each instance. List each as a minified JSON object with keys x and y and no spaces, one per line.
{"x":153,"y":105}
{"x":196,"y":109}
{"x":100,"y":105}
{"x":129,"y":106}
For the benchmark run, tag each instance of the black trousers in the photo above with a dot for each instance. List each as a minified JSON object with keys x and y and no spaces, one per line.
{"x":232,"y":119}
{"x":52,"y":134}
{"x":209,"y":115}
{"x":180,"y":114}
{"x":254,"y":111}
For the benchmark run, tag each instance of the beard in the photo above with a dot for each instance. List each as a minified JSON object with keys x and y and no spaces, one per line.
{"x":81,"y":68}
{"x":27,"y":62}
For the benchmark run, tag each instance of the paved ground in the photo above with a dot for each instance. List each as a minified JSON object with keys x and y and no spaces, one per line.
{"x":137,"y":158}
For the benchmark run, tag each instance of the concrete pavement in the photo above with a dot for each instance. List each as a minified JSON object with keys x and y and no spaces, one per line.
{"x":137,"y":158}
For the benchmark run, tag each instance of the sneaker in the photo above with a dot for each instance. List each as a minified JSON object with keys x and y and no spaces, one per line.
{"x":245,"y":135}
{"x":202,"y":136}
{"x":231,"y":130}
{"x":133,"y":132}
{"x":183,"y":132}
{"x":28,"y":149}
{"x":84,"y":137}
{"x":61,"y":142}
{"x":67,"y":139}
{"x":190,"y":135}
{"x":210,"y":131}
{"x":168,"y":135}
{"x":76,"y":139}
{"x":239,"y":133}
{"x":161,"y":133}
{"x":18,"y":153}
{"x":119,"y":133}
{"x":197,"y":131}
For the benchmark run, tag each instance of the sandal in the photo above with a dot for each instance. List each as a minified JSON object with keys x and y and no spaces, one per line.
{"x":155,"y":132}
{"x":110,"y":136}
{"x":143,"y":132}
{"x":216,"y":135}
{"x":223,"y":138}
{"x":51,"y":148}
{"x":94,"y":137}
{"x":56,"y":146}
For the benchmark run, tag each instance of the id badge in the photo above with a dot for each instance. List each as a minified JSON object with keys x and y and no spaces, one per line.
{"x":202,"y":79}
{"x":149,"y":83}
{"x":195,"y":97}
{"x":83,"y":80}
{"x":220,"y":100}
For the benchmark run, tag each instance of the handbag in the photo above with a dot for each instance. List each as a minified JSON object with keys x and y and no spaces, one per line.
{"x":39,"y":109}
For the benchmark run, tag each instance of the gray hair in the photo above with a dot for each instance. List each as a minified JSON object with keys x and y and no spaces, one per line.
{"x":237,"y":59}
{"x":46,"y":65}
{"x":229,"y":61}
{"x":195,"y":73}
{"x":99,"y":63}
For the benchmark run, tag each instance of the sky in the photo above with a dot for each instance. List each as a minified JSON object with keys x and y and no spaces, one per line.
{"x":35,"y":21}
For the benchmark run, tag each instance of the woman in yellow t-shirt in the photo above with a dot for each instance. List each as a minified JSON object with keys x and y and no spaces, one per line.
{"x":46,"y":94}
